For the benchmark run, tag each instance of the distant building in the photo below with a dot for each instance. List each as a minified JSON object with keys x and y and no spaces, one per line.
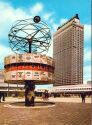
{"x":68,"y":52}
{"x":89,"y":82}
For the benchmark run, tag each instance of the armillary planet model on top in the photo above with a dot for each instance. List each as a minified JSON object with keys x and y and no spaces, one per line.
{"x":30,"y":35}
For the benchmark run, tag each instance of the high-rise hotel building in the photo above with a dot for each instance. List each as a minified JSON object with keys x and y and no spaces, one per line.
{"x":68,"y":52}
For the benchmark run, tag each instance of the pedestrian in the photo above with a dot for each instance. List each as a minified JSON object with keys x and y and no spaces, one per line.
{"x":0,"y":96}
{"x":83,"y":96}
{"x":45,"y":95}
{"x":3,"y":97}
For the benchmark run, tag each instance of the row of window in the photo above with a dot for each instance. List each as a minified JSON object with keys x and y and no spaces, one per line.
{"x":75,"y":89}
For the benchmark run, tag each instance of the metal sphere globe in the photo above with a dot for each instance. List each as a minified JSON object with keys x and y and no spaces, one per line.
{"x":30,"y":35}
{"x":37,"y":19}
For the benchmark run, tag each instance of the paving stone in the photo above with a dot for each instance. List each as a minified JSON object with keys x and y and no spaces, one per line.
{"x":61,"y":114}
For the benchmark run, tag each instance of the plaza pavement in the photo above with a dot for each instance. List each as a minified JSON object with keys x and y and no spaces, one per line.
{"x":67,"y":111}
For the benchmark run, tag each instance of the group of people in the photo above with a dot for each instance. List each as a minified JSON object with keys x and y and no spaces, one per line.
{"x":2,"y":96}
{"x":45,"y":96}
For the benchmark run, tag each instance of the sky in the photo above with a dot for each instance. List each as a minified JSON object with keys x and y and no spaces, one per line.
{"x":54,"y":13}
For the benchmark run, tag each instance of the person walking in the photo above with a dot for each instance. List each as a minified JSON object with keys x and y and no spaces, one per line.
{"x":83,"y":96}
{"x":3,"y":97}
{"x":0,"y":96}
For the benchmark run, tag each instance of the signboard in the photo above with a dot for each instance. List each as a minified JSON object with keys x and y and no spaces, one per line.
{"x":20,"y":75}
{"x":44,"y":76}
{"x":36,"y":75}
{"x":13,"y":75}
{"x":28,"y":75}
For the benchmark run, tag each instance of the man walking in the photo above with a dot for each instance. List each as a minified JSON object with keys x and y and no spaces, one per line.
{"x":0,"y":96}
{"x":83,"y":96}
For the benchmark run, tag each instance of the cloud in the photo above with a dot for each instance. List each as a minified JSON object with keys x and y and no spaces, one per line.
{"x":8,"y":16}
{"x":87,"y":54}
{"x":87,"y":32}
{"x":4,"y":51}
{"x":47,"y":16}
{"x":62,"y":21}
{"x":10,"y":13}
{"x":87,"y":73}
{"x":56,"y":25}
{"x":87,"y":65}
{"x":50,"y":51}
{"x":36,"y":9}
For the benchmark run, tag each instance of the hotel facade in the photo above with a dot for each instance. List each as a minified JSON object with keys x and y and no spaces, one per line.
{"x":68,"y":52}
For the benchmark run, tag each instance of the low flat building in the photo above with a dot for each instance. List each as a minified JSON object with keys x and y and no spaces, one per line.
{"x":87,"y":88}
{"x":89,"y":82}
